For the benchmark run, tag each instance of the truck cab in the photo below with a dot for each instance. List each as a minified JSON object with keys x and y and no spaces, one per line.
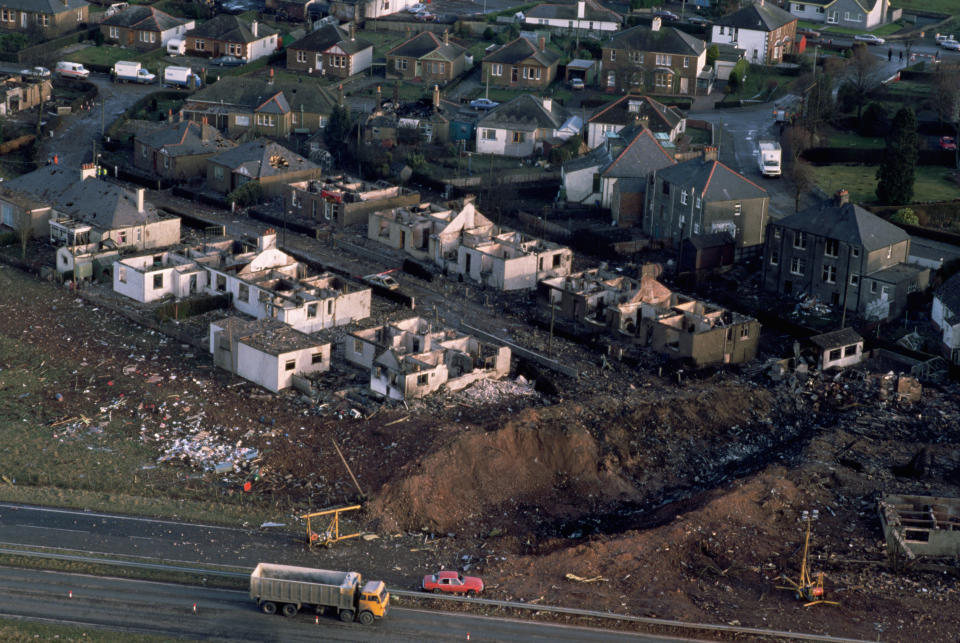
{"x":374,"y":598}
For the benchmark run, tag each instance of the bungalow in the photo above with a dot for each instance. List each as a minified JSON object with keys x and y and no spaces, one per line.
{"x":143,"y":27}
{"x":425,"y":57}
{"x":838,"y":348}
{"x":50,"y":17}
{"x":522,"y":126}
{"x":521,"y":64}
{"x":850,"y":14}
{"x":586,"y":18}
{"x":179,"y":151}
{"x":266,"y":352}
{"x":631,"y":109}
{"x":229,"y":35}
{"x":266,"y":162}
{"x":328,"y":51}
{"x":343,"y":201}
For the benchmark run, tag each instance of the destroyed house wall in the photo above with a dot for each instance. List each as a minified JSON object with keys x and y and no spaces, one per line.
{"x":921,"y":525}
{"x":841,"y":356}
{"x":309,"y":316}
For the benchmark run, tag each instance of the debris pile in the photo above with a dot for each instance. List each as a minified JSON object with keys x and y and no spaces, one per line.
{"x":206,"y":451}
{"x":496,"y":391}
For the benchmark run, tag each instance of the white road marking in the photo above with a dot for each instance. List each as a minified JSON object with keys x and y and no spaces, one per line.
{"x":76,"y":531}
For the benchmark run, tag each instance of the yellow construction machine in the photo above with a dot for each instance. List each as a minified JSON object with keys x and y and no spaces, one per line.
{"x":807,"y":588}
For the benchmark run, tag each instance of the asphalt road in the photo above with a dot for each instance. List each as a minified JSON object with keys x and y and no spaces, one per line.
{"x":227,"y":615}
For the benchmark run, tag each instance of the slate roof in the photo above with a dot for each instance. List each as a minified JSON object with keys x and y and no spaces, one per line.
{"x":43,"y":6}
{"x":713,"y":180}
{"x":44,"y":184}
{"x":710,"y":240}
{"x":424,"y":43}
{"x":848,"y":223}
{"x":251,"y":93}
{"x":666,"y":40}
{"x":519,"y":50}
{"x":597,"y":157}
{"x":327,"y":36}
{"x":836,"y":339}
{"x":765,"y":17}
{"x":105,"y":205}
{"x":231,"y":28}
{"x":641,"y":155}
{"x":661,"y":118}
{"x":143,"y":18}
{"x":276,"y":104}
{"x":567,"y":11}
{"x":253,"y":159}
{"x":949,"y":294}
{"x":187,"y":138}
{"x":525,"y":113}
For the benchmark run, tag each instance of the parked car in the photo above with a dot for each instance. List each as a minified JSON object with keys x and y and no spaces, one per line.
{"x":228,"y":61}
{"x":700,"y":20}
{"x":577,"y":83}
{"x":663,"y":14}
{"x":37,"y":72}
{"x":483,"y":103}
{"x":950,"y":44}
{"x":425,"y":16}
{"x":809,"y":33}
{"x":451,"y":582}
{"x":381,"y":280}
{"x":869,"y":38}
{"x":948,"y":143}
{"x":417,"y":8}
{"x":940,"y":37}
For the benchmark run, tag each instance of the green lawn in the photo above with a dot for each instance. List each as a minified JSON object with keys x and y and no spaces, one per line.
{"x":758,"y":86}
{"x":849,"y":139}
{"x":383,"y":41}
{"x":932,"y":183}
{"x":940,"y":6}
{"x":108,"y":55}
{"x":885,"y":30}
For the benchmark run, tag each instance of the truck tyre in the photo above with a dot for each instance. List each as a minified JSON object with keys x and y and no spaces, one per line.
{"x":346,"y":616}
{"x":471,"y":593}
{"x":289,"y":610}
{"x":437,"y":590}
{"x":366,"y":618}
{"x":268,"y":607}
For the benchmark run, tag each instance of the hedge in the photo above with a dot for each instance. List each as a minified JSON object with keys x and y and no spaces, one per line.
{"x":193,"y":306}
{"x":871,"y":156}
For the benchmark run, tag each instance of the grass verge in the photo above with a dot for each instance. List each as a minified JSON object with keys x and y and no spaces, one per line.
{"x":932,"y":183}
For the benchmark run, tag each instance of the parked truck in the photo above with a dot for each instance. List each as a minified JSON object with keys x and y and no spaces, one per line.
{"x":289,"y":589}
{"x":125,"y":71}
{"x":769,"y":158}
{"x":178,"y":77}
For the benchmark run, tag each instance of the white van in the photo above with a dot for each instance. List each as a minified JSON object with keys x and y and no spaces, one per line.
{"x":72,"y":70}
{"x":177,"y":76}
{"x":176,"y":47}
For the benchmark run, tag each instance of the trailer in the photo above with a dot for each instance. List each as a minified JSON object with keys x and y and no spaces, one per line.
{"x":289,"y":589}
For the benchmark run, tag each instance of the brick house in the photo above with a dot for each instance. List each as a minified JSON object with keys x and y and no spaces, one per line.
{"x":180,"y":150}
{"x":842,"y":254}
{"x":227,"y":35}
{"x":763,"y":30}
{"x":49,"y":17}
{"x":521,"y":64}
{"x":425,"y":57}
{"x":329,"y":51}
{"x":655,"y":60}
{"x":143,"y":28}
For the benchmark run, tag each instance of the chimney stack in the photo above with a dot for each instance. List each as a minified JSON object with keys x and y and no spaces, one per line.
{"x":446,"y":37}
{"x":710,"y":153}
{"x":88,"y":171}
{"x":548,"y":103}
{"x":655,"y":24}
{"x":542,"y":42}
{"x":140,"y":193}
{"x":842,"y":197}
{"x":353,"y":32}
{"x":253,"y":28}
{"x":436,"y":96}
{"x":379,"y":100}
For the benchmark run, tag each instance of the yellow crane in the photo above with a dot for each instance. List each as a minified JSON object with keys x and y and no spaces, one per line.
{"x":807,"y":588}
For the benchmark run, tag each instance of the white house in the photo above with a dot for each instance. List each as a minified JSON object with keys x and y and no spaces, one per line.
{"x":584,"y":17}
{"x":147,"y":278}
{"x":512,"y":261}
{"x":838,"y":348}
{"x":945,"y":314}
{"x":520,"y":127}
{"x":853,"y":14}
{"x":763,"y":30}
{"x":266,"y":352}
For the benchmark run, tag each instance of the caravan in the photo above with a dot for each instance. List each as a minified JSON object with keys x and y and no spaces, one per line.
{"x":176,"y":47}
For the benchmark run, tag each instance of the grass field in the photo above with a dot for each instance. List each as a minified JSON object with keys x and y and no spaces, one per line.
{"x":932,"y":183}
{"x":108,"y":55}
{"x":941,"y":6}
{"x":15,"y":631}
{"x":848,"y":139}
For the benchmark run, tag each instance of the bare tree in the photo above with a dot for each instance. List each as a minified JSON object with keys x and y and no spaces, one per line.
{"x":947,"y":94}
{"x":863,"y":74}
{"x":803,"y":180}
{"x":24,"y":224}
{"x":797,"y":139}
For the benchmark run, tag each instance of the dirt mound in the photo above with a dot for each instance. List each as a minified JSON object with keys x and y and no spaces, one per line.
{"x":699,"y":562}
{"x":525,"y":466}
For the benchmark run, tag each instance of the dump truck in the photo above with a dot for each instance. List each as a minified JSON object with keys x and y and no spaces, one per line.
{"x":768,"y":158}
{"x":289,"y":589}
{"x":131,"y":72}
